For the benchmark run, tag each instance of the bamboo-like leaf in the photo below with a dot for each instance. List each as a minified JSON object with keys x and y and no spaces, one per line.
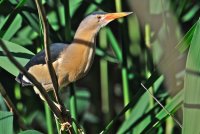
{"x":139,"y":110}
{"x":191,"y":115}
{"x":105,"y":93}
{"x":186,"y":40}
{"x":106,"y":56}
{"x":11,"y":21}
{"x":25,"y":36}
{"x":149,"y":82}
{"x":30,"y":132}
{"x":172,"y":107}
{"x":13,"y":27}
{"x":6,"y":122}
{"x":150,"y":123}
{"x":21,"y":3}
{"x":190,"y":14}
{"x":114,"y":45}
{"x":48,"y":118}
{"x":20,"y":53}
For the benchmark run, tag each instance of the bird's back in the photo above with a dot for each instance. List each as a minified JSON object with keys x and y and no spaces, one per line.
{"x":39,"y":59}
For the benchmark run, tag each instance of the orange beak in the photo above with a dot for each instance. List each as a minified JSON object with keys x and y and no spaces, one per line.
{"x":112,"y":16}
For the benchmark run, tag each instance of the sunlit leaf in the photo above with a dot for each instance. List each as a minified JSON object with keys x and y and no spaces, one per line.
{"x":30,"y":132}
{"x":190,"y":14}
{"x":13,"y":27}
{"x":25,"y":36}
{"x":6,"y":122}
{"x":185,"y":42}
{"x":191,"y":114}
{"x":139,"y":110}
{"x":21,"y":54}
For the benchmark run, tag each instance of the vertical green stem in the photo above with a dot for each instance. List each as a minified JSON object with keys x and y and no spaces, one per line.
{"x":147,"y":35}
{"x":21,"y":3}
{"x":125,"y":89}
{"x":73,"y":107}
{"x":181,"y":7}
{"x":47,"y":111}
{"x":67,"y":27}
{"x":57,"y":125}
{"x":48,"y":118}
{"x":118,"y":6}
{"x":18,"y":98}
{"x":124,"y":70}
{"x":57,"y":14}
{"x":104,"y":77}
{"x":147,"y":69}
{"x":169,"y":122}
{"x":114,"y":44}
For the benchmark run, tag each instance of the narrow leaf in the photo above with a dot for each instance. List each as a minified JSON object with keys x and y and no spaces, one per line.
{"x":20,"y":53}
{"x":6,"y":122}
{"x":191,"y":115}
{"x":30,"y":132}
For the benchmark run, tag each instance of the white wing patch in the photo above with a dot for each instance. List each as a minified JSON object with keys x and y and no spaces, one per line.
{"x":89,"y":59}
{"x":25,"y":79}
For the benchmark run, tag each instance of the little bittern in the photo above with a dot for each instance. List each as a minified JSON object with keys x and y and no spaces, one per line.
{"x":70,"y":61}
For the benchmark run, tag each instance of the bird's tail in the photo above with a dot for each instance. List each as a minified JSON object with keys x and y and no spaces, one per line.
{"x":22,"y":82}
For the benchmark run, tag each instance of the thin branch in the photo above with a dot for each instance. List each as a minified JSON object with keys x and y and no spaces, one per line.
{"x":53,"y":107}
{"x":80,"y":130}
{"x":52,"y":72}
{"x":12,"y":107}
{"x":63,"y":117}
{"x":162,"y":106}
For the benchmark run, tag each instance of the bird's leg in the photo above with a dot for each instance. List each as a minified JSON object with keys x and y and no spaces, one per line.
{"x":38,"y":92}
{"x":42,"y":98}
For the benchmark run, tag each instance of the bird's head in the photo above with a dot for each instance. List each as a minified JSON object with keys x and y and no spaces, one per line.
{"x":97,"y":20}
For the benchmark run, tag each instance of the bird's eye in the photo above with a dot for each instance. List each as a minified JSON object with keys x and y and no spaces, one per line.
{"x":98,"y":17}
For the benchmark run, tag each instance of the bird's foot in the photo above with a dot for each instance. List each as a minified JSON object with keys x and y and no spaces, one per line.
{"x":65,"y":126}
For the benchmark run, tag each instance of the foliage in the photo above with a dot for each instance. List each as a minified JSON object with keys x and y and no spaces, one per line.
{"x":6,"y":119}
{"x":191,"y":98}
{"x":147,"y":47}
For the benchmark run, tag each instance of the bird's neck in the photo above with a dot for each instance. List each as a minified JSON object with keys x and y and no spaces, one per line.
{"x":81,"y":52}
{"x":85,"y":36}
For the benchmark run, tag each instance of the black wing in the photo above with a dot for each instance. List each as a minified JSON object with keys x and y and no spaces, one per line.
{"x":39,"y":58}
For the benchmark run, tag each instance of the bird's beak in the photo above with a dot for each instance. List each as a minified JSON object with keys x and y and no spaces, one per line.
{"x":112,"y":16}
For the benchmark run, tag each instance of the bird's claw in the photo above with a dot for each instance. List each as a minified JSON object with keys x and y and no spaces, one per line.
{"x":65,"y":126}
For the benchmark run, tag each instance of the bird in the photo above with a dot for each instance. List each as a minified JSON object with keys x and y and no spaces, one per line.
{"x":70,"y":61}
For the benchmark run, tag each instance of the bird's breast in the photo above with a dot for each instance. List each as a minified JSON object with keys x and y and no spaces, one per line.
{"x":89,"y":59}
{"x":76,"y":62}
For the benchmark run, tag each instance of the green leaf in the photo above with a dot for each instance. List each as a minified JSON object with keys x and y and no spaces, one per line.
{"x":148,"y":83}
{"x":139,"y":109}
{"x":114,"y":44}
{"x":156,"y":7}
{"x":74,"y":5}
{"x":172,"y":107}
{"x":191,"y":113}
{"x":14,"y":26}
{"x":136,"y":113}
{"x":82,"y":97}
{"x":150,"y":123}
{"x":54,"y":22}
{"x":92,"y":7}
{"x":21,"y":3}
{"x":2,"y":103}
{"x":190,"y":14}
{"x":30,"y":132}
{"x":25,"y":36}
{"x":186,"y":40}
{"x":6,"y":122}
{"x":21,"y":54}
{"x":104,"y":55}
